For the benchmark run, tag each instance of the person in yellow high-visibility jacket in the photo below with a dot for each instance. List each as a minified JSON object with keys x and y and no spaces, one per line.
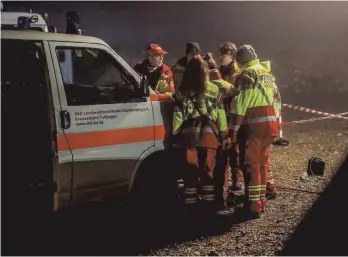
{"x":228,"y":65}
{"x":215,"y":77}
{"x":271,"y":190}
{"x":228,"y":68}
{"x":200,"y":127}
{"x":253,"y":118}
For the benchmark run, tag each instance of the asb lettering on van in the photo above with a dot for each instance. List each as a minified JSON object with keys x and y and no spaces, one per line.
{"x":83,"y":118}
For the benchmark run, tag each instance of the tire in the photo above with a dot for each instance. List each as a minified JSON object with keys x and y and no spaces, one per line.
{"x":155,"y":195}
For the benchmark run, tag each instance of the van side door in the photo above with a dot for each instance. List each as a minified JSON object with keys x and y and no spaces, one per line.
{"x":108,"y":126}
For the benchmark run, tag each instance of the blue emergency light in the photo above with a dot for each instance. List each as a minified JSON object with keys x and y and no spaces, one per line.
{"x":23,"y":22}
{"x":73,"y":22}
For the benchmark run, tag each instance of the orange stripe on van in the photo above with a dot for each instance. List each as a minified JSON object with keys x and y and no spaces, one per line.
{"x":110,"y":137}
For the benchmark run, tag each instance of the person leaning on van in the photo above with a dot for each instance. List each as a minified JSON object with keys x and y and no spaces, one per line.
{"x":159,"y":75}
{"x":199,"y":125}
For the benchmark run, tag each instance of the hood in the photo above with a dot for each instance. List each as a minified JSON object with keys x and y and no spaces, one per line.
{"x":266,"y":65}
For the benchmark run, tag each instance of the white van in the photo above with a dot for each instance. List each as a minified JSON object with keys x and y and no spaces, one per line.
{"x":78,"y":122}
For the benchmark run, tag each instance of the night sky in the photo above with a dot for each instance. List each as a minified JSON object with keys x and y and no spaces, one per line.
{"x":290,"y":34}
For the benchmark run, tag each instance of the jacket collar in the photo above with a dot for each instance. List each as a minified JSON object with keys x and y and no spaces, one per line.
{"x":249,"y":64}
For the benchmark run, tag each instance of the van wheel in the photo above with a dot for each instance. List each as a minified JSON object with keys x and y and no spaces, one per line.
{"x":155,"y":195}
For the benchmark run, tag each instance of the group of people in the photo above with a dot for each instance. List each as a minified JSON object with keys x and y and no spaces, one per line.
{"x":225,"y":118}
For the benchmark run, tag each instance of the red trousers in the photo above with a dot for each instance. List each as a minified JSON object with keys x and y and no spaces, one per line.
{"x":234,"y":163}
{"x":270,"y":178}
{"x":238,"y":176}
{"x":254,"y":154}
{"x":201,"y":163}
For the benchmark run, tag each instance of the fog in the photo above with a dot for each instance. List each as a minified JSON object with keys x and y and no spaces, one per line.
{"x":306,"y":42}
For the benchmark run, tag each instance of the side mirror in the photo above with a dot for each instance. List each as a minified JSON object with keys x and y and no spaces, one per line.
{"x":144,"y":86}
{"x":34,"y":19}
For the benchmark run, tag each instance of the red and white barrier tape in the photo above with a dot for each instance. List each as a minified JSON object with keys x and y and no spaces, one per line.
{"x":316,"y":119}
{"x":280,"y":125}
{"x":304,"y":109}
{"x":325,"y":114}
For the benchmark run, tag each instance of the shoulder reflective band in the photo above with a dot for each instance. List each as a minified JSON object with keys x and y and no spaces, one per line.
{"x":263,"y":92}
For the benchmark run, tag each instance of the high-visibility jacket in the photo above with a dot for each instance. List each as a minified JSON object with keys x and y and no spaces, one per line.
{"x":226,"y":88}
{"x":277,"y":98}
{"x":160,"y":79}
{"x":254,"y":105}
{"x":203,"y":128}
{"x":228,"y":71}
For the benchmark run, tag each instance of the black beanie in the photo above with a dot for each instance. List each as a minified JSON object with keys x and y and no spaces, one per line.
{"x":192,"y":46}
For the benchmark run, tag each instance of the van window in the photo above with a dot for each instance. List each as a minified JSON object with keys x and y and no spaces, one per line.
{"x":23,"y":66}
{"x":92,"y":76}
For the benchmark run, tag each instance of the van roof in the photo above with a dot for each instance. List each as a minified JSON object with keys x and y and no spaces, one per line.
{"x":11,"y":18}
{"x":47,"y":36}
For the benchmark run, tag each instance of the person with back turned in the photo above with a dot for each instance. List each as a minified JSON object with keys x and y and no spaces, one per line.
{"x":253,"y":117}
{"x":200,"y":127}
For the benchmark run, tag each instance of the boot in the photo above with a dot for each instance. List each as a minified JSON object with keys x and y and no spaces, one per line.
{"x":256,"y":209}
{"x":264,"y":204}
{"x":251,"y":210}
{"x":225,"y":196}
{"x":271,"y":191}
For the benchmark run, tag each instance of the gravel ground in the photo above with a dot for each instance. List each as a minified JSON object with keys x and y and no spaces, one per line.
{"x":113,"y":230}
{"x":327,"y":139}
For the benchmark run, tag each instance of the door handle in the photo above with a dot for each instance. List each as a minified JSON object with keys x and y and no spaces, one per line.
{"x":65,"y":119}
